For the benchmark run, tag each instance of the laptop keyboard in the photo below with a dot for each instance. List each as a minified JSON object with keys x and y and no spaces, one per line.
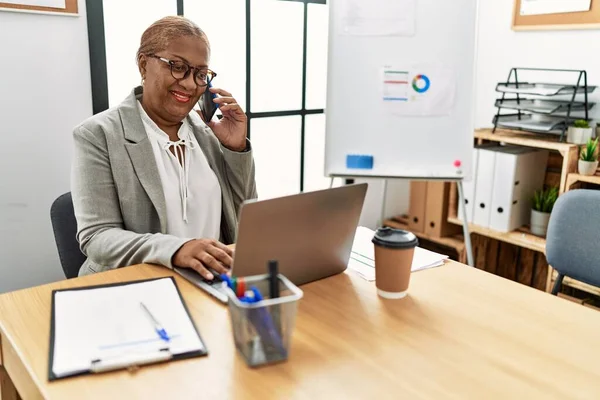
{"x":215,"y":280}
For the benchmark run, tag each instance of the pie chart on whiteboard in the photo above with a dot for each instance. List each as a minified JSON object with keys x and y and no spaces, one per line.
{"x":421,"y":83}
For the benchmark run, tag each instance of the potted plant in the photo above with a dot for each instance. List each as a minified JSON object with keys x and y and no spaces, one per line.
{"x":580,"y":132}
{"x":588,"y":159}
{"x":542,"y":204}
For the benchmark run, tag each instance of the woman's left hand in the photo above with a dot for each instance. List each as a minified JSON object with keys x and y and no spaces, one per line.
{"x":231,"y":129}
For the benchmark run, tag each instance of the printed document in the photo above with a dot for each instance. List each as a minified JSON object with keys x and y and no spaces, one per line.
{"x":362,"y":258}
{"x":378,"y":17}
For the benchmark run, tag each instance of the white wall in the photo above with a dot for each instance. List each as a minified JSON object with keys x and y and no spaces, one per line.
{"x":501,"y":48}
{"x":396,"y":203}
{"x":45,"y":91}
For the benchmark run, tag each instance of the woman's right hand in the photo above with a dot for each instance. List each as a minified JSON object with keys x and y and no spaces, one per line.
{"x":200,"y":254}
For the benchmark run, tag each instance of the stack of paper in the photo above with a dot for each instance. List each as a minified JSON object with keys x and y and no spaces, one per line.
{"x":362,"y":258}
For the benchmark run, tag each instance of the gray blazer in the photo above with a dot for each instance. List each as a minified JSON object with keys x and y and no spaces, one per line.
{"x":117,"y":193}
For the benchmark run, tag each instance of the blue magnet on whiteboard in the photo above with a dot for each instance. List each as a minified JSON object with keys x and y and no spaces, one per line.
{"x":355,"y":161}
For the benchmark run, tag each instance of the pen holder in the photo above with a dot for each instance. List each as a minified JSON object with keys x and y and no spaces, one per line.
{"x":262,"y":331}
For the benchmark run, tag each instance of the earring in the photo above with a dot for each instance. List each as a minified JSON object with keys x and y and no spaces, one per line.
{"x":143,"y":80}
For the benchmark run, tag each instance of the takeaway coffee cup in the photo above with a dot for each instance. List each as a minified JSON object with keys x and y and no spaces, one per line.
{"x":394,"y":250}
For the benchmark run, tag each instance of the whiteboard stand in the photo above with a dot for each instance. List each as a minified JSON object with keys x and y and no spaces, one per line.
{"x":383,"y":202}
{"x":469,"y":247}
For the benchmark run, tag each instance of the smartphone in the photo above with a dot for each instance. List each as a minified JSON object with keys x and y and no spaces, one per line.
{"x":208,"y":107}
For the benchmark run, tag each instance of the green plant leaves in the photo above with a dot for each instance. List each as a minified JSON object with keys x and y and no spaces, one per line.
{"x":581,"y":123}
{"x":543,"y":200}
{"x":589,"y":152}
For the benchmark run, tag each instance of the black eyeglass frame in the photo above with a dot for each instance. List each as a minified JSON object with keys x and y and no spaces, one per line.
{"x":210,"y":74}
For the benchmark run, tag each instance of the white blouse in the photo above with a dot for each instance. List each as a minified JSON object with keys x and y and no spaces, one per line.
{"x":191,"y":188}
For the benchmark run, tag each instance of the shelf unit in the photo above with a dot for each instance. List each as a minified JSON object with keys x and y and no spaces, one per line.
{"x":573,"y":178}
{"x":541,"y":113}
{"x":569,"y":178}
{"x":521,"y":237}
{"x":569,"y":151}
{"x":517,"y":255}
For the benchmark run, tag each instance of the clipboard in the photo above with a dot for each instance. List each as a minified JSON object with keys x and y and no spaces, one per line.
{"x":163,"y":351}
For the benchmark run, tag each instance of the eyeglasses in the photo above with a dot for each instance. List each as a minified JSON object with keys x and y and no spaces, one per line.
{"x":181,"y":70}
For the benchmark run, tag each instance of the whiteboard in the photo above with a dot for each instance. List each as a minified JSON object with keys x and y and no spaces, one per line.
{"x":423,"y":126}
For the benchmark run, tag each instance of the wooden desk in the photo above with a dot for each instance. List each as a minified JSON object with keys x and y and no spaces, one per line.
{"x":462,"y":333}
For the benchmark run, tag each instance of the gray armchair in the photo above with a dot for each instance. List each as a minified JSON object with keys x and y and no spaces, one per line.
{"x":573,"y":237}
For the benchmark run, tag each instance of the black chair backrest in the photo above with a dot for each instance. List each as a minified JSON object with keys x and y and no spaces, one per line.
{"x":64,"y":225}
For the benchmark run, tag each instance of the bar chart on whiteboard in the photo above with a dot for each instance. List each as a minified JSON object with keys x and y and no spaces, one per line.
{"x":395,"y":85}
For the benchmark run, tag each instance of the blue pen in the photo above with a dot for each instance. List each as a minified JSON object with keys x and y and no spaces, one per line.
{"x":260,"y":317}
{"x":157,"y":326}
{"x":263,"y":323}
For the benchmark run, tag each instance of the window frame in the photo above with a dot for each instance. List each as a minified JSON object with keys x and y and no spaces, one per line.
{"x":99,"y":73}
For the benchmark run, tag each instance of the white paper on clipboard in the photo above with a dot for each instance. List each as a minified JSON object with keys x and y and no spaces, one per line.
{"x":378,"y":17}
{"x":108,"y":323}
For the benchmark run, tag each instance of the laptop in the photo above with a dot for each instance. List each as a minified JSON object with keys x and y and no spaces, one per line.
{"x":309,"y":234}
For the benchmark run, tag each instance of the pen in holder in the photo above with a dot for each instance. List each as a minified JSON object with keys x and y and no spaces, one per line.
{"x":263,"y":326}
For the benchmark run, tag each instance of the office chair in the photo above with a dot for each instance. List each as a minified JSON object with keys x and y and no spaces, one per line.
{"x":64,"y":225}
{"x":572,"y":239}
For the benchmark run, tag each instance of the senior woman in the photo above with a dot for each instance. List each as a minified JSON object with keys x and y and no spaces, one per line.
{"x":151,"y":181}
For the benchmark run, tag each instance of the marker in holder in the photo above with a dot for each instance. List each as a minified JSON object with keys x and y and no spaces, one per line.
{"x":261,"y":336}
